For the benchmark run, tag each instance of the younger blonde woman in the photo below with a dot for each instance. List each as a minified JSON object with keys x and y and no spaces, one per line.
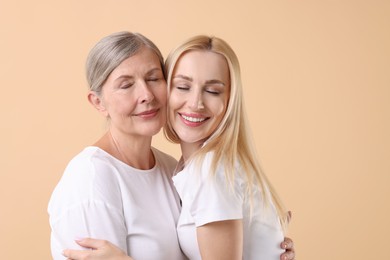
{"x":229,"y":208}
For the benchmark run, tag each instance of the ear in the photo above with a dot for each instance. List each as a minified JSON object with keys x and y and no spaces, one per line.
{"x":97,"y":103}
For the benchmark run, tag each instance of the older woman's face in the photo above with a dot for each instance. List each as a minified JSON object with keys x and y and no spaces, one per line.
{"x":134,"y":96}
{"x":199,"y":95}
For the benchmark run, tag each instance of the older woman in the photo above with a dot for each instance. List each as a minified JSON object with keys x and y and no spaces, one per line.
{"x":120,"y":188}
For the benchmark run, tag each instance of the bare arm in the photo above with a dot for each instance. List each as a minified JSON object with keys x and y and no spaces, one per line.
{"x":101,"y":249}
{"x":221,"y":240}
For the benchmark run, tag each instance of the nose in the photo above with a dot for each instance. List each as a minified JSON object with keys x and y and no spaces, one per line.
{"x":196,"y":101}
{"x":146,"y":96}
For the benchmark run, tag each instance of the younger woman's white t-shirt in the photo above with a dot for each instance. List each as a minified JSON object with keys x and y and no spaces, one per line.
{"x":206,"y":199}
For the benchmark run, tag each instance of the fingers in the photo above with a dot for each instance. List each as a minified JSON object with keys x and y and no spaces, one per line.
{"x":288,"y":255}
{"x":287,"y":244}
{"x":84,"y":254}
{"x":76,"y":254}
{"x":91,"y":243}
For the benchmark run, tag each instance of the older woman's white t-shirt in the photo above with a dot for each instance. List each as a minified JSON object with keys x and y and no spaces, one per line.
{"x":101,"y":197}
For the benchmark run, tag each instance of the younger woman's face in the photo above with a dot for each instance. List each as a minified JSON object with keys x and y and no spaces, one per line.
{"x":199,"y":95}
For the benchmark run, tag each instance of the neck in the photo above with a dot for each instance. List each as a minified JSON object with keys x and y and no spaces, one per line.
{"x":188,"y":149}
{"x":132,"y":150}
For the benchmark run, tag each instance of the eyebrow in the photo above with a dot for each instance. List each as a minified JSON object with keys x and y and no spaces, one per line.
{"x":153,"y":70}
{"x":214,"y":82}
{"x":125,"y":76}
{"x":183,"y":77}
{"x":208,"y":82}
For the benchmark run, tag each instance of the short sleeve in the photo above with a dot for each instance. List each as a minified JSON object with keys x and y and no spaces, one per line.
{"x":214,"y":199}
{"x":85,"y":204}
{"x":87,"y":219}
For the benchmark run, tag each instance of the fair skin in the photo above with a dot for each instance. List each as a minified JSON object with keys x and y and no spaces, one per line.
{"x":133,"y":98}
{"x":197,"y":102}
{"x":104,"y":250}
{"x":198,"y":98}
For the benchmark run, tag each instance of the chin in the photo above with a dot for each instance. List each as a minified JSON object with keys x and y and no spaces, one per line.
{"x":190,"y":140}
{"x":151,"y":131}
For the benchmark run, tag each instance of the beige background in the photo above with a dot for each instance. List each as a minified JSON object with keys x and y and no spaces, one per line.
{"x":317,"y":85}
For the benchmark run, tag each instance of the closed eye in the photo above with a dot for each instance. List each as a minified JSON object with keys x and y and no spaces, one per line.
{"x":182,"y":87}
{"x":153,"y":79}
{"x":126,"y":86}
{"x":213,"y":92}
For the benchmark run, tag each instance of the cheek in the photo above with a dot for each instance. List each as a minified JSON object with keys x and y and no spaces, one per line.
{"x":124,"y":105}
{"x":124,"y":110}
{"x":173,"y":102}
{"x":220,"y":108}
{"x":161,"y":95}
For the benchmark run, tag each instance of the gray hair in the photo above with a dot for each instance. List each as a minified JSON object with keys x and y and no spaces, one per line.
{"x":110,"y":51}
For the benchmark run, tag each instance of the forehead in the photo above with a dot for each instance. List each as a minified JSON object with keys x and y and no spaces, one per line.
{"x":199,"y":63}
{"x":143,"y":59}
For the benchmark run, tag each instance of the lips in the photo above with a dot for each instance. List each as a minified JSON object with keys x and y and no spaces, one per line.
{"x":148,"y":114}
{"x":193,"y":119}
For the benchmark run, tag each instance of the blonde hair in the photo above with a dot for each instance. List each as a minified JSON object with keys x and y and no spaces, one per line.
{"x":110,"y":51}
{"x":231,"y":142}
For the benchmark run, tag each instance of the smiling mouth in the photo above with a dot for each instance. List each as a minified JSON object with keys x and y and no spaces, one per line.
{"x":146,"y":113}
{"x":194,"y":119}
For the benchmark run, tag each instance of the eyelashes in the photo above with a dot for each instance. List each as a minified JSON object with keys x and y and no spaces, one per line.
{"x":207,"y":89}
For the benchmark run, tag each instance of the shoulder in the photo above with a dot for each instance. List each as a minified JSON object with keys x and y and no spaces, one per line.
{"x":216,"y":171}
{"x":165,"y":161}
{"x":86,"y":176}
{"x":162,"y":155}
{"x":201,"y":161}
{"x":197,"y":171}
{"x":89,"y":161}
{"x":80,"y":166}
{"x":206,"y":162}
{"x":80,"y":172}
